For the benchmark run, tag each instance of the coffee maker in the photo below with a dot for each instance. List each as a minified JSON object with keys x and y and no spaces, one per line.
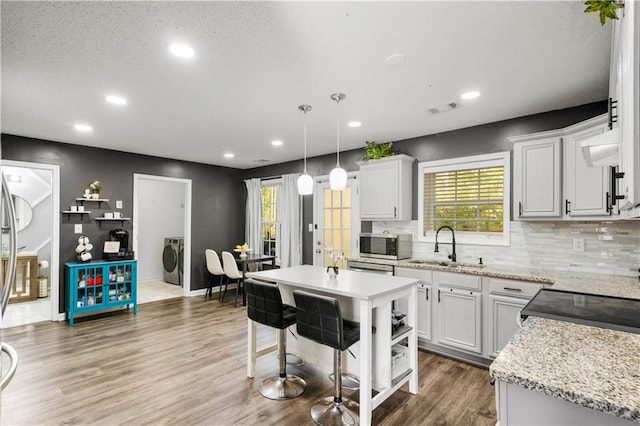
{"x":121,"y":235}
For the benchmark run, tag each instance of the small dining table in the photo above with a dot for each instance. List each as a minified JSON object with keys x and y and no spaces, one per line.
{"x":252,"y":258}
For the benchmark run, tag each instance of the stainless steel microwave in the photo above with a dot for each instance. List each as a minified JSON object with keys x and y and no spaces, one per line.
{"x":386,"y":246}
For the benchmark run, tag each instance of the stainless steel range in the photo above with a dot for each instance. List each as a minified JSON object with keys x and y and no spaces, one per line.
{"x":616,"y":313}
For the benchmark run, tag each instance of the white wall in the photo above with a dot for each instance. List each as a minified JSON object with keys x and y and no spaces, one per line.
{"x":160,"y":215}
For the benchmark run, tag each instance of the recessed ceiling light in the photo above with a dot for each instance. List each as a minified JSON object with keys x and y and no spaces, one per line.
{"x":276,"y":143}
{"x":470,"y":95}
{"x":395,"y":59}
{"x":181,"y":50}
{"x":228,"y":155}
{"x":354,"y":124}
{"x":116,"y":100}
{"x":83,"y":128}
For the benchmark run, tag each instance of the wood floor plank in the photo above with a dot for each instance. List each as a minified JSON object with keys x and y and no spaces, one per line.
{"x":182,"y":362}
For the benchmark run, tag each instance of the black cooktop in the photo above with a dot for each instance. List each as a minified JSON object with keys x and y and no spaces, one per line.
{"x":616,"y":313}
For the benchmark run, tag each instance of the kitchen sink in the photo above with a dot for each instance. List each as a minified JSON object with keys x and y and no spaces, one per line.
{"x":452,"y":265}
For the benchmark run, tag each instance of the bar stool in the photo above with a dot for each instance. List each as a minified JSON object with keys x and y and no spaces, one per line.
{"x":264,"y":305}
{"x":215,"y":269}
{"x":320,"y":319}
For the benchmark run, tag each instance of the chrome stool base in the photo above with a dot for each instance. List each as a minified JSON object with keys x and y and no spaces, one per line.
{"x":293,"y":359}
{"x":349,"y":381}
{"x":280,"y":388}
{"x":327,"y":412}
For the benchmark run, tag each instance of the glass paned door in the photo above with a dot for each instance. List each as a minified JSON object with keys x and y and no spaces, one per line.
{"x":337,"y":220}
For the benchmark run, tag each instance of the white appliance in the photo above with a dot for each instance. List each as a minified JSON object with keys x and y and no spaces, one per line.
{"x":173,"y":260}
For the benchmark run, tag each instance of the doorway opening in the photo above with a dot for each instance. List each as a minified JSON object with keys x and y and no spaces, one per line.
{"x":35,"y":188}
{"x":162,"y":213}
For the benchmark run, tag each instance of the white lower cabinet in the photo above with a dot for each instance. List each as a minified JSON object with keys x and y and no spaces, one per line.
{"x":505,"y":300}
{"x":464,"y":314}
{"x":425,"y":297}
{"x":424,"y":311}
{"x":504,"y":321}
{"x":459,"y":315}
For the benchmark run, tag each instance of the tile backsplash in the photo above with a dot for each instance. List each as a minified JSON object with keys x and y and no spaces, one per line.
{"x":609,"y":247}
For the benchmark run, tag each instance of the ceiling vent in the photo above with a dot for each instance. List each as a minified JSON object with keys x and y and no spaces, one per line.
{"x":443,"y":108}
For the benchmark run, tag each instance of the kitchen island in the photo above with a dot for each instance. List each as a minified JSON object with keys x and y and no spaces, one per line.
{"x":372,"y":297}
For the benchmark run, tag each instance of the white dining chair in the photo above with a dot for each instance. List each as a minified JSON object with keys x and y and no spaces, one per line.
{"x":233,"y":273}
{"x":215,"y":269}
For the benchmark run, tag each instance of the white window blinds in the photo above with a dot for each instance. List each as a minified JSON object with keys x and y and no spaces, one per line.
{"x":468,"y":200}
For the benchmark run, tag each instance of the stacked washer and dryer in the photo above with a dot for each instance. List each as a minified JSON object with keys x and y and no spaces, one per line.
{"x":173,"y":260}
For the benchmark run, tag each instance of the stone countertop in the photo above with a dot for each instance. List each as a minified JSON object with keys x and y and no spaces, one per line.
{"x":590,"y":366}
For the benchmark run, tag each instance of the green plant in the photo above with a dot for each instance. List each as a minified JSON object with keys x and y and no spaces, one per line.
{"x":375,"y":151}
{"x":606,"y":8}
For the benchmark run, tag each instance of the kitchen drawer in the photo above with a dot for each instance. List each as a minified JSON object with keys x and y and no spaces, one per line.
{"x":513,"y":288}
{"x":421,"y":274}
{"x":450,"y":279}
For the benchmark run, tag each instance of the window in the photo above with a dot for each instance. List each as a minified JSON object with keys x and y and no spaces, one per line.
{"x":469,"y":194}
{"x":270,"y":220}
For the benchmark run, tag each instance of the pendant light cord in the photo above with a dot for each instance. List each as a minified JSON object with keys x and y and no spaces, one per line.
{"x":305,"y":141}
{"x":338,"y":132}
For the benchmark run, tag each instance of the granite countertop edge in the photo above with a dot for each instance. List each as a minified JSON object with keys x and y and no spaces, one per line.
{"x":502,"y":371}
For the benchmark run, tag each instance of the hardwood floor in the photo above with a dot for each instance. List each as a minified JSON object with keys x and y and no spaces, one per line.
{"x":182,"y":362}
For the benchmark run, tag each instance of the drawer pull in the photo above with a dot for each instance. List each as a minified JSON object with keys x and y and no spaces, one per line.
{"x":518,"y":290}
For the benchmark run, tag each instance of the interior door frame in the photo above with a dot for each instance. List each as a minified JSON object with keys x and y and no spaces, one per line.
{"x":54,"y":266}
{"x":186,"y":273}
{"x":355,"y":213}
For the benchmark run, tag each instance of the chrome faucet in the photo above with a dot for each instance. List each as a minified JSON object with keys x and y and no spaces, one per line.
{"x":452,"y":256}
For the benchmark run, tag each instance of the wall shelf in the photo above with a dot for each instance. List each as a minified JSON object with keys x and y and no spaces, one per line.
{"x":70,"y":212}
{"x":81,"y":201}
{"x":122,"y":220}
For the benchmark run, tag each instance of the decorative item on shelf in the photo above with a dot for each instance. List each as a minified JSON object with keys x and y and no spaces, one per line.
{"x":332,"y":269}
{"x":43,"y":280}
{"x":305,"y":181}
{"x":376,"y":151}
{"x":83,"y":249}
{"x":95,"y":189}
{"x":242,"y":249}
{"x":338,"y":176}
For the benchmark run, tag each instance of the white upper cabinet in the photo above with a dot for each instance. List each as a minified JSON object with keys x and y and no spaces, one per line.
{"x":536,"y":176}
{"x":551,"y":179}
{"x":385,"y":188}
{"x":586,"y":189}
{"x":625,"y":89}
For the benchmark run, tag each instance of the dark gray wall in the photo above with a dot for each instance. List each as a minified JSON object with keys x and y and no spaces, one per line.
{"x":219,"y":192}
{"x":483,"y":139}
{"x":218,"y":195}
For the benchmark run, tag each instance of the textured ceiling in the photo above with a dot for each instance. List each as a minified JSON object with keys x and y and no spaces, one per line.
{"x":255,"y":62}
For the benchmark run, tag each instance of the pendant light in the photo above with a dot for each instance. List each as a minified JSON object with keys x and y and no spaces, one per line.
{"x":338,"y":176}
{"x":305,"y":182}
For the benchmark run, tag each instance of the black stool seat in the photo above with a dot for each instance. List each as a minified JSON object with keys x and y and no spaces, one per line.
{"x":264,"y":305}
{"x":320,"y":319}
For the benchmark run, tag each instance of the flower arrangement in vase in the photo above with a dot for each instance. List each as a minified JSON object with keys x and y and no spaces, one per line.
{"x":95,"y":189}
{"x":332,"y":269}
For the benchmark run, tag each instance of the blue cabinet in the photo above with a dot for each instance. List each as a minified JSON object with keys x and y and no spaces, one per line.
{"x":99,"y":285}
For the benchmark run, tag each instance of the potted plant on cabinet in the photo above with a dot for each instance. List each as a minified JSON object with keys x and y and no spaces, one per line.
{"x":375,"y":151}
